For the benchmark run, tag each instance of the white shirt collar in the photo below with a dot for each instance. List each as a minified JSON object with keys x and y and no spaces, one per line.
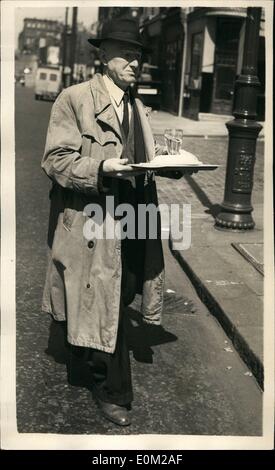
{"x":114,"y":91}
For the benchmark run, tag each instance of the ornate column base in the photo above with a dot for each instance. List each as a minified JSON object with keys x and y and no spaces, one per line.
{"x":234,"y":222}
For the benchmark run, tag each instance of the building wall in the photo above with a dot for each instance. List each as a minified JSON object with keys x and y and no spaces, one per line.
{"x":36,"y":30}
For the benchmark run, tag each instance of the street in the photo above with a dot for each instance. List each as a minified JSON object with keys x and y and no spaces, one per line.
{"x":187,"y":377}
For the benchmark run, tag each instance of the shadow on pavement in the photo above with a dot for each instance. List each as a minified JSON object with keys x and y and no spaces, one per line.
{"x":213,"y":209}
{"x":141,"y":337}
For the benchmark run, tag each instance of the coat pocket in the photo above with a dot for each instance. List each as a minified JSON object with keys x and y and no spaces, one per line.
{"x":68,"y":218}
{"x":100,"y":145}
{"x":74,"y":220}
{"x":101,"y":137}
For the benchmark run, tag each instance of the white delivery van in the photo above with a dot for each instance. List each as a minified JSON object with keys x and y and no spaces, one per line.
{"x":47,"y":83}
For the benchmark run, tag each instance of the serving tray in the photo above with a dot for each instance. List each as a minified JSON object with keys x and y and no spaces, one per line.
{"x":154,"y":167}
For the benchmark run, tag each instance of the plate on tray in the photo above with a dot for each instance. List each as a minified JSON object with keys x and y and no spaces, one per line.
{"x":175,"y":162}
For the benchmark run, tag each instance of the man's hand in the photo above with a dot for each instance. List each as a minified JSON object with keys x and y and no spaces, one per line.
{"x":118,"y":168}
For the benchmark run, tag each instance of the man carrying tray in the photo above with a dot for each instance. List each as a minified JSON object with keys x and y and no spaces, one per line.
{"x":97,"y":129}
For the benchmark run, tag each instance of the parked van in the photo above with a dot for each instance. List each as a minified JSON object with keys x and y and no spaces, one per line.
{"x":47,"y":83}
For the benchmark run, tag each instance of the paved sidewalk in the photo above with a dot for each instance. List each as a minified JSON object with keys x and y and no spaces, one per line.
{"x":207,"y":126}
{"x":227,"y":283}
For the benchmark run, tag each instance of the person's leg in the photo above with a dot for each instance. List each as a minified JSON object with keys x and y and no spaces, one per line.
{"x":112,"y":372}
{"x":78,"y":369}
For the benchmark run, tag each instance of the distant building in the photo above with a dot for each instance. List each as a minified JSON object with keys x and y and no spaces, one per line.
{"x":38,"y":44}
{"x":38,"y":33}
{"x":41,"y":43}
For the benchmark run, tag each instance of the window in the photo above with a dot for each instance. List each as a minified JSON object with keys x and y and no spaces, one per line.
{"x":53,"y":77}
{"x":42,"y":76}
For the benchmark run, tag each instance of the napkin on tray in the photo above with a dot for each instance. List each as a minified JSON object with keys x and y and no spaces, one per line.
{"x":183,"y":157}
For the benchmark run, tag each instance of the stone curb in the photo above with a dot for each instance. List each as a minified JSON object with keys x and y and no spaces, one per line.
{"x":216,"y":309}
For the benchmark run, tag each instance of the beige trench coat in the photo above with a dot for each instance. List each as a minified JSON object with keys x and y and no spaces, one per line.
{"x":83,"y":278}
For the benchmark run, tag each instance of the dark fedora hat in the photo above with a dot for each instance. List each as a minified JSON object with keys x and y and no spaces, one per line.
{"x":120,"y":29}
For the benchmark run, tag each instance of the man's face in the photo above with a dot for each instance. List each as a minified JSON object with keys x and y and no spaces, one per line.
{"x":122,"y":61}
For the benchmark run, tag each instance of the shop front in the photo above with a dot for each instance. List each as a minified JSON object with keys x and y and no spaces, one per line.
{"x":215,"y":40}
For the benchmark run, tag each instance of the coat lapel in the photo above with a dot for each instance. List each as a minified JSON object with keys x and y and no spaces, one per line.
{"x":104,"y":111}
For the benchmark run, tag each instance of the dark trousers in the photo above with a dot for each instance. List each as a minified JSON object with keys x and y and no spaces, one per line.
{"x":111,"y":373}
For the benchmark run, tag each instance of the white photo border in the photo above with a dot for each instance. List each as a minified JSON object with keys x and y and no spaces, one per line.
{"x":11,"y":439}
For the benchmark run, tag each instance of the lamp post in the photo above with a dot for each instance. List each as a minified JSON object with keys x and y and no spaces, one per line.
{"x":64,"y":58}
{"x":73,"y":43}
{"x":243,"y":132}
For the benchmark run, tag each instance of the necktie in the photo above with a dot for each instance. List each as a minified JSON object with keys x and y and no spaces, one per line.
{"x":125,"y":120}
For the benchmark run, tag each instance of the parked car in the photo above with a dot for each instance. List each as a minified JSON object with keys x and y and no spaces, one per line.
{"x":48,"y":83}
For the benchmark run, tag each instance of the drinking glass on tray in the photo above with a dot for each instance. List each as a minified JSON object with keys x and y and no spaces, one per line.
{"x":173,"y":140}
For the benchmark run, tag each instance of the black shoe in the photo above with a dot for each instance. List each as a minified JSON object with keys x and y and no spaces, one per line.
{"x":115,"y":413}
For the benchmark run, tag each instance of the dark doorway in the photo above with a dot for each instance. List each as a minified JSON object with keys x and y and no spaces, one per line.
{"x":172,"y":76}
{"x":171,"y":64}
{"x":226,"y":57}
